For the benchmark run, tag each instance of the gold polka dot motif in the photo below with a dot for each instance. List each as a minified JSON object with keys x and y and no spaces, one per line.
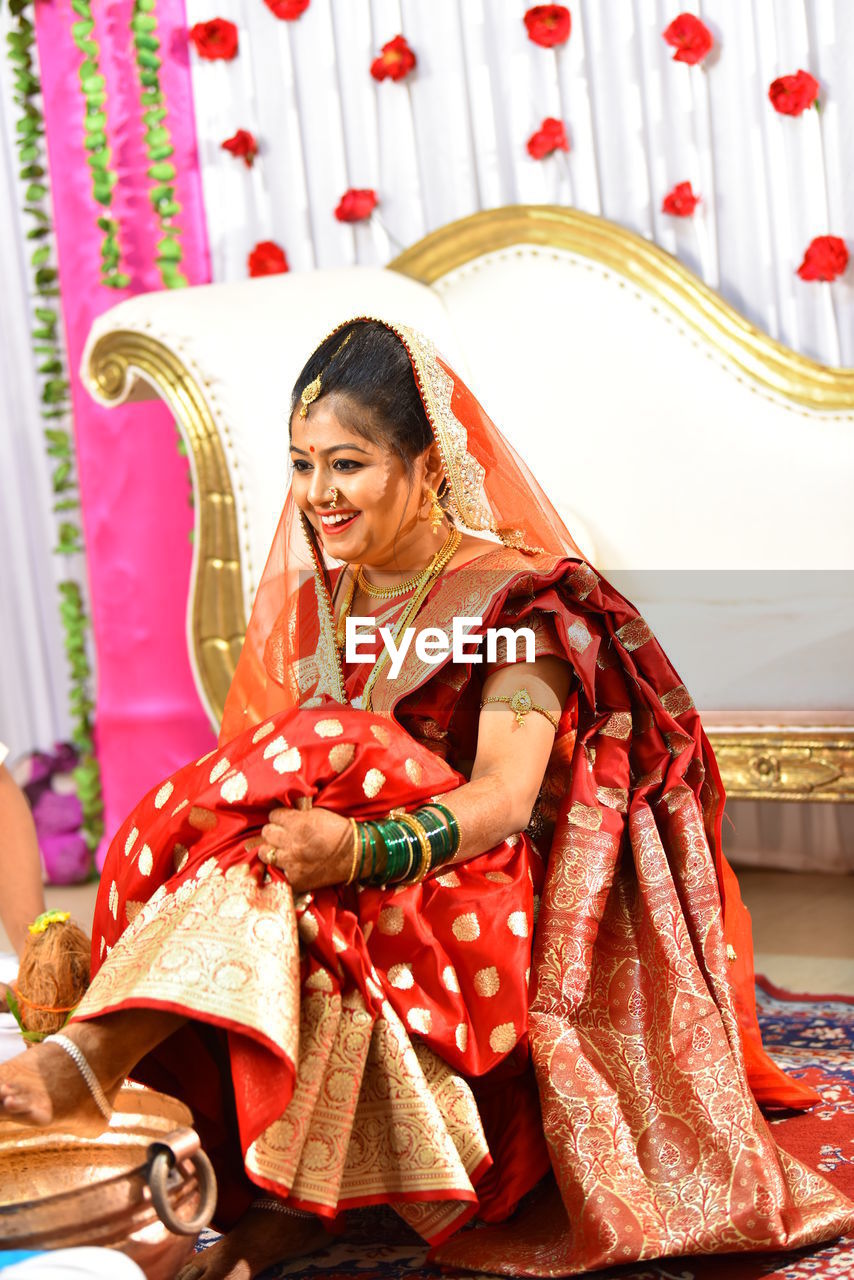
{"x":413,"y":770}
{"x":487,"y":982}
{"x":234,"y":788}
{"x":373,"y":783}
{"x":329,"y":728}
{"x":400,"y":977}
{"x":163,"y":795}
{"x":390,"y":920}
{"x":466,"y":927}
{"x":202,"y":819}
{"x":502,"y":1038}
{"x":341,"y":756}
{"x":420,"y":1020}
{"x":222,"y":766}
{"x":517,"y":923}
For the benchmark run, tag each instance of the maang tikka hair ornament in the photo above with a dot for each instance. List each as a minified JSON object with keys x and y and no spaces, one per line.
{"x":312,"y":391}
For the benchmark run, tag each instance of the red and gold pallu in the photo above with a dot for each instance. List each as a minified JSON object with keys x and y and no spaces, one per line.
{"x":302,"y":1011}
{"x":642,"y":1018}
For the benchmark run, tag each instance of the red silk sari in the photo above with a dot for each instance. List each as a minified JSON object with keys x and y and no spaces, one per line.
{"x":366,"y":1044}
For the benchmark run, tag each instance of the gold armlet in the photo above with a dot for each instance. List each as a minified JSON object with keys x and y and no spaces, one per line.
{"x":522,"y":704}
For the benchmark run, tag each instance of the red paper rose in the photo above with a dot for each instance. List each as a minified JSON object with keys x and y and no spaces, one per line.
{"x":355,"y":205}
{"x":288,"y":10}
{"x":215,"y":39}
{"x":826,"y":258}
{"x":548,"y":24}
{"x":690,"y":37}
{"x":396,"y":60}
{"x":681,"y":201}
{"x":551,"y":136}
{"x":267,"y":259}
{"x":791,"y":95}
{"x":243,"y":145}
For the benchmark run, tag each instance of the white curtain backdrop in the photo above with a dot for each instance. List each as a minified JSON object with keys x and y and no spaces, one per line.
{"x":33,"y":676}
{"x":451,"y":138}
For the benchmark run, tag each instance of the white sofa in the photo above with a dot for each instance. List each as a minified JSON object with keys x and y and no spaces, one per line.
{"x":706,"y":469}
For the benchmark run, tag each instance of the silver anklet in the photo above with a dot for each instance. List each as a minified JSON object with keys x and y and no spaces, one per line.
{"x":267,"y":1202}
{"x":81,"y":1062}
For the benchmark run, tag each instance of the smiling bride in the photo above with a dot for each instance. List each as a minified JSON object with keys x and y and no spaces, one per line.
{"x":431,"y":932}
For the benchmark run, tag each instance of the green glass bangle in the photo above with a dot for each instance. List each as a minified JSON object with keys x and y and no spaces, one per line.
{"x":438,"y":839}
{"x":396,"y":839}
{"x":361,"y":831}
{"x":441,"y":840}
{"x":453,"y":825}
{"x":379,"y":855}
{"x":372,"y":837}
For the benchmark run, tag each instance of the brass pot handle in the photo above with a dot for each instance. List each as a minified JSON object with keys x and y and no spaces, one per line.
{"x":163,"y":1156}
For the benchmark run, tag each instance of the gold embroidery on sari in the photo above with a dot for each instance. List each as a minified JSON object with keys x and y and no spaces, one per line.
{"x":368,"y":1106}
{"x":582,"y":581}
{"x":220,"y":945}
{"x":618,"y":725}
{"x":634,"y":634}
{"x":678,"y":742}
{"x":614,"y":797}
{"x":275,"y":1154}
{"x":677,"y":701}
{"x":582,"y":815}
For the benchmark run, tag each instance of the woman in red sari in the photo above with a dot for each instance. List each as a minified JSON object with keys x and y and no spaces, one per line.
{"x":353,"y":1025}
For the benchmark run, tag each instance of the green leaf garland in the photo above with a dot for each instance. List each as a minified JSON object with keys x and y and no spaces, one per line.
{"x":52,"y":369}
{"x":158,"y":143}
{"x":98,"y":153}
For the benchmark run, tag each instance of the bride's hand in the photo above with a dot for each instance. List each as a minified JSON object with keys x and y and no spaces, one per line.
{"x":313,"y":847}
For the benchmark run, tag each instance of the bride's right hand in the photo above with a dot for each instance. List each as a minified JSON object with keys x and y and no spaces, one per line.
{"x":313,"y":847}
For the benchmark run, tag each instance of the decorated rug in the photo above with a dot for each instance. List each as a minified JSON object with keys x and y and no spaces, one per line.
{"x":811,"y":1037}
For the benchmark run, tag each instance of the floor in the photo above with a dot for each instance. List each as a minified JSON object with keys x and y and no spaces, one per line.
{"x":803,"y":926}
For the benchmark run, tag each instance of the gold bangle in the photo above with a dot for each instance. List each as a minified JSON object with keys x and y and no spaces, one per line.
{"x":413,"y":824}
{"x":521,"y":704}
{"x":357,"y":846}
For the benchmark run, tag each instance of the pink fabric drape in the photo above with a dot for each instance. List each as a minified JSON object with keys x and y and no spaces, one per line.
{"x":133,"y":483}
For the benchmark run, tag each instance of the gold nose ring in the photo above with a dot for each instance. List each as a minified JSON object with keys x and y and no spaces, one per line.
{"x":334,"y":502}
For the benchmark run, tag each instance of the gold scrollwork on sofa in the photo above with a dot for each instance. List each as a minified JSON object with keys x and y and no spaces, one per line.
{"x":761,"y":763}
{"x":218,"y":619}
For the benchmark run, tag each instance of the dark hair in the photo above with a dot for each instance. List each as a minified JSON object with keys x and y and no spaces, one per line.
{"x":374,"y":372}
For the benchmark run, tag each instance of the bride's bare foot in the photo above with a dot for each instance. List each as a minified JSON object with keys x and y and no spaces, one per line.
{"x":261,"y":1238}
{"x":43,"y":1085}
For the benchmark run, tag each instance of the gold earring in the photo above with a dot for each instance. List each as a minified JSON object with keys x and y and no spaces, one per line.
{"x":334,"y":503}
{"x":437,"y":515}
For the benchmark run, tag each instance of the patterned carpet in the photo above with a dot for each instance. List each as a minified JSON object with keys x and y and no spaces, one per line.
{"x":810,"y":1036}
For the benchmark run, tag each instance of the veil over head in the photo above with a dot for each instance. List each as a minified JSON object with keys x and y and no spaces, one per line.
{"x":491,"y":493}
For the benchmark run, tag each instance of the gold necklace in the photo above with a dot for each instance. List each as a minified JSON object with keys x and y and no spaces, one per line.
{"x":428,"y":578}
{"x":425,"y":581}
{"x":409,"y":584}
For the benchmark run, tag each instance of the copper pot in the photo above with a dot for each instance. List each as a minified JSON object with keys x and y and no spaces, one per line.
{"x":143,"y":1186}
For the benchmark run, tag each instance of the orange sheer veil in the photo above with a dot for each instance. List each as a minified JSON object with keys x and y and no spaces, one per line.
{"x":492,"y":493}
